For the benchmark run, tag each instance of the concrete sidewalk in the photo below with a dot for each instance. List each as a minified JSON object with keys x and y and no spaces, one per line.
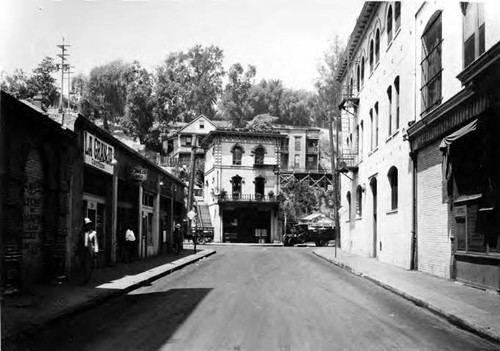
{"x":469,"y":308}
{"x":24,"y":313}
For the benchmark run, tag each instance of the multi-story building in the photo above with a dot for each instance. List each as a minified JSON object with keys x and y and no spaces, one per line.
{"x":180,"y":144}
{"x":241,"y":185}
{"x":455,"y":141}
{"x":377,"y":80}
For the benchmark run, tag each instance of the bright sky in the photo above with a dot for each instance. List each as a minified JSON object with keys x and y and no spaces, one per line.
{"x":284,"y":39}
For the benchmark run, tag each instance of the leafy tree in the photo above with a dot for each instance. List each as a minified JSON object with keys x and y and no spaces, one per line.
{"x":106,"y":93}
{"x":265,"y":97}
{"x":189,"y":83}
{"x":327,"y":87}
{"x":139,"y":104}
{"x":16,"y":84}
{"x":235,"y":105}
{"x":42,"y":81}
{"x":295,"y":108}
{"x":298,"y":200}
{"x":262,"y":123}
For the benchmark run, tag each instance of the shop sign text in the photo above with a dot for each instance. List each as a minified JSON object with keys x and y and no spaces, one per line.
{"x":98,"y":153}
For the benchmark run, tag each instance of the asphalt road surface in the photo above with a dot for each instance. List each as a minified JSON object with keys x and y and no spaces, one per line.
{"x":257,"y":298}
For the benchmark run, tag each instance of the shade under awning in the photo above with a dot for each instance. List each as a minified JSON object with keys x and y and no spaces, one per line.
{"x":446,"y":143}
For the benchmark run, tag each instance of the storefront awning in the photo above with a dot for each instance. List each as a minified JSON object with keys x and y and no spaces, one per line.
{"x":447,"y":142}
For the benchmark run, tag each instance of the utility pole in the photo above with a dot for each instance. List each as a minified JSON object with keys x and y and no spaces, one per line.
{"x":334,"y":155}
{"x":192,"y":165}
{"x":63,"y":66}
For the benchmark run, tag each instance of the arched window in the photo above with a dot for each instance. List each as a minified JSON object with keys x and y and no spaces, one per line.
{"x":371,"y":55}
{"x":348,"y":196}
{"x":397,"y":15}
{"x":389,"y":25}
{"x":431,"y":63}
{"x":358,"y":77}
{"x":389,"y":101}
{"x":396,"y":102}
{"x":362,"y":70}
{"x":236,"y":186}
{"x":259,"y":155}
{"x":377,"y":46}
{"x":359,"y":198}
{"x":392,"y":175}
{"x":237,"y":154}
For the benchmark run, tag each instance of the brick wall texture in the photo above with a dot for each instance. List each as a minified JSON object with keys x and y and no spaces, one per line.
{"x":434,"y":249}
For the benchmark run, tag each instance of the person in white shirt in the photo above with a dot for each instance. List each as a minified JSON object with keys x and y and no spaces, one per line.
{"x":90,"y":238}
{"x":130,"y":244}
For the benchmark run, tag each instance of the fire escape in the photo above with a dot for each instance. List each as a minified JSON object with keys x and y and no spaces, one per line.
{"x":348,"y":157}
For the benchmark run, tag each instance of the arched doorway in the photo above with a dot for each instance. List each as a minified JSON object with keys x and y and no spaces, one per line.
{"x":373,"y":186}
{"x":33,"y":217}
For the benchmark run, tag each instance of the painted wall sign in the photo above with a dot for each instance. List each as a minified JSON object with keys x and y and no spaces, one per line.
{"x":33,"y":216}
{"x":98,"y":153}
{"x":138,"y":173}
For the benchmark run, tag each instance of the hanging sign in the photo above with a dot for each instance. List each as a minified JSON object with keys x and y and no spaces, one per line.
{"x":138,"y":173}
{"x":98,"y":153}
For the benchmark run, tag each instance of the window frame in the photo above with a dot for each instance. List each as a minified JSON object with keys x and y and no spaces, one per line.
{"x":389,"y":25}
{"x":430,"y":64}
{"x":393,"y":178}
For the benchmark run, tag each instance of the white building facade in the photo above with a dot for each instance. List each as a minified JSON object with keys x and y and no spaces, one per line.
{"x":241,"y":185}
{"x":377,"y":76}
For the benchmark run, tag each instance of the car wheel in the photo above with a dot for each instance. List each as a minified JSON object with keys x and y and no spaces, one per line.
{"x":201,"y":240}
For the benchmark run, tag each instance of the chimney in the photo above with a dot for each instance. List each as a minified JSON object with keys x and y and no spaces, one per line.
{"x":37,"y":101}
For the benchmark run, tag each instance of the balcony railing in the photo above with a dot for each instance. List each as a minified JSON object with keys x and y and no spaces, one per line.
{"x":313,"y":149}
{"x":246,"y":197}
{"x":347,"y":162}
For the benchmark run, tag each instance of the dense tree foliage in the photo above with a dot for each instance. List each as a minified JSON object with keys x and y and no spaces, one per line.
{"x":262,"y":123}
{"x":235,"y":105}
{"x":185,"y":85}
{"x":41,"y":81}
{"x":188,"y":84}
{"x":328,"y":89}
{"x":298,"y":200}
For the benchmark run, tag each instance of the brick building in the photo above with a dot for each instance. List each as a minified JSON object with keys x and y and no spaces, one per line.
{"x":36,"y":163}
{"x":454,"y":142}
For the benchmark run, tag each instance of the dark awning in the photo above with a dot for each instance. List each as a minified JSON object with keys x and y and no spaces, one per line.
{"x":446,"y":143}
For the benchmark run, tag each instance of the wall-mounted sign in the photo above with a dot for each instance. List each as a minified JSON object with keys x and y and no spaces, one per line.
{"x":138,"y":173}
{"x":98,"y":153}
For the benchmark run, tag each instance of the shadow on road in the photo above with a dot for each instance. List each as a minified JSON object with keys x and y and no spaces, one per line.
{"x":142,"y":321}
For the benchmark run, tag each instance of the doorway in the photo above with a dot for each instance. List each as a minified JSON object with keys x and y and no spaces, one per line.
{"x":373,"y":186}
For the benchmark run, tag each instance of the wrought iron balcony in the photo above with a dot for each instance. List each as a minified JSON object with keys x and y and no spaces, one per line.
{"x":347,"y":162}
{"x":246,"y":197}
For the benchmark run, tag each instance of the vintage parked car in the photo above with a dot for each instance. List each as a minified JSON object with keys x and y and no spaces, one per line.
{"x":203,"y":234}
{"x":302,"y":233}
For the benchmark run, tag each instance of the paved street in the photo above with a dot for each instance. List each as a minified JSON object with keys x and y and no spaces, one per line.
{"x":256,"y":298}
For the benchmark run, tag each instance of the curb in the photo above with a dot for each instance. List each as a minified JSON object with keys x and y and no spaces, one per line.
{"x":245,"y":244}
{"x":453,"y":319}
{"x":94,"y":301}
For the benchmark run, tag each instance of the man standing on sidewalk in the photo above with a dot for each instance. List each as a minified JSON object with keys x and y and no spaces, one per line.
{"x":129,"y":244}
